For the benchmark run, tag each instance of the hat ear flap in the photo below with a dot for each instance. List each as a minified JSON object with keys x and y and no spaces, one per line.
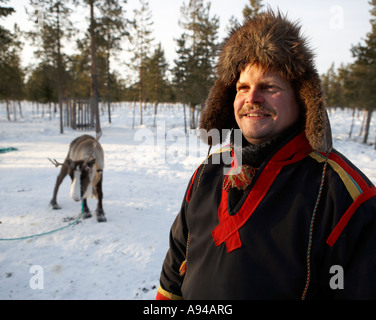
{"x":317,"y":125}
{"x":218,"y":113}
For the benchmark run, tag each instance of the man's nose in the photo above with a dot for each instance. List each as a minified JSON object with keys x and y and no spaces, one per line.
{"x":254,"y":96}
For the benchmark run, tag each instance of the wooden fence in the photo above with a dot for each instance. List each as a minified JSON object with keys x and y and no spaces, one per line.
{"x":79,"y":114}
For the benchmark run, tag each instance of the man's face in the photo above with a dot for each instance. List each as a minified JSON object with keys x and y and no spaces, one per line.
{"x":264,"y":105}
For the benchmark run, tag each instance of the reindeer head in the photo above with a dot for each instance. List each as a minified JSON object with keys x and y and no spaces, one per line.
{"x":82,"y":175}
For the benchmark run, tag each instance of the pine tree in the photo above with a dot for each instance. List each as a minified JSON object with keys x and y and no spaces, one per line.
{"x":155,"y":82}
{"x":41,"y":85}
{"x":253,"y":9}
{"x":232,"y":24}
{"x":94,"y":93}
{"x":11,"y":72}
{"x":180,"y":71}
{"x":79,"y":70}
{"x":333,"y":88}
{"x":112,"y":28}
{"x":200,"y":37}
{"x":141,"y":42}
{"x":364,"y":69}
{"x":5,"y":35}
{"x":52,"y":25}
{"x":347,"y":80}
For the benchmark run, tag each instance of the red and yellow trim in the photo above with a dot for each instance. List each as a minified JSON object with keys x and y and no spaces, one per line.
{"x":351,"y":179}
{"x":165,"y":295}
{"x":357,"y":187}
{"x":348,"y":214}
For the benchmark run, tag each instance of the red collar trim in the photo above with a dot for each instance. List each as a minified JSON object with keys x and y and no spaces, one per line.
{"x":228,"y":229}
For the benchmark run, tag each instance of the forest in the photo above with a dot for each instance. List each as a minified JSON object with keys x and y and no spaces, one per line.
{"x":87,"y":74}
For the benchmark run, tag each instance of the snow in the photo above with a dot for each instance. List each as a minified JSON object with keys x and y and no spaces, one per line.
{"x":146,"y":173}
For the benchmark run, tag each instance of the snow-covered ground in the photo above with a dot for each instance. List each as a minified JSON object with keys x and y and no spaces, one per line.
{"x":146,"y":173}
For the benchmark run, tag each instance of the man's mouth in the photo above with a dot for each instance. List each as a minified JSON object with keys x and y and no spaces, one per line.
{"x":256,"y":112}
{"x":257,"y":115}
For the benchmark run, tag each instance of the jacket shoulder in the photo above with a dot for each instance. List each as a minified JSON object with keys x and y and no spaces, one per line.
{"x":355,"y":181}
{"x":359,"y":187}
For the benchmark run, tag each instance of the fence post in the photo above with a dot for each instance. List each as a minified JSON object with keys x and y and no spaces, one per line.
{"x":73,"y":114}
{"x":79,"y":114}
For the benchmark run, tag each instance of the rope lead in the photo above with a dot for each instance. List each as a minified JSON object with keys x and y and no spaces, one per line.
{"x":48,"y":232}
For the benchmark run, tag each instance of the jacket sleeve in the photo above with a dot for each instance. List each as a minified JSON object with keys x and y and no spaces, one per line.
{"x":353,"y":251}
{"x":170,"y":278}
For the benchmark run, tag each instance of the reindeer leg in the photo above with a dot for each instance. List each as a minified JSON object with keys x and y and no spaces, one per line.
{"x":99,"y":211}
{"x":87,"y":213}
{"x":59,"y":180}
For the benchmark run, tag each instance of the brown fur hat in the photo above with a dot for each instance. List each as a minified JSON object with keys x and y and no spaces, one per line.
{"x":275,"y":43}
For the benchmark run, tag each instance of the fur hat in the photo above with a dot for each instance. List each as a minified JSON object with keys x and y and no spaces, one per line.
{"x":276,"y":44}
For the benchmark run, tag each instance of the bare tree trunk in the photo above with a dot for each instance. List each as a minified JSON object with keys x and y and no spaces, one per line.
{"x":59,"y":73}
{"x":362,"y":126}
{"x":14,"y":110}
{"x":108,"y":80}
{"x":140,"y":94}
{"x":8,"y":111}
{"x":352,"y":123}
{"x":50,"y":110}
{"x":368,"y":122}
{"x":155,"y":113}
{"x":94,"y":73}
{"x":109,"y":102}
{"x":185,"y":119}
{"x":20,"y":109}
{"x":134,"y":112}
{"x":193,"y":121}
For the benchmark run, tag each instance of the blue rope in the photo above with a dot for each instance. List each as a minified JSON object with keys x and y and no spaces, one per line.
{"x":48,"y":232}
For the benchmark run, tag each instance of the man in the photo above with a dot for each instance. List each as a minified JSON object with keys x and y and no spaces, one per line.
{"x":283,"y":215}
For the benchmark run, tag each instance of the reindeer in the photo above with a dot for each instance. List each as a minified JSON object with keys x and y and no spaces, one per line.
{"x":84,"y":163}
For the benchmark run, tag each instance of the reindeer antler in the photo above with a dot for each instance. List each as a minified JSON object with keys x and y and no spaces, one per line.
{"x":56,"y":163}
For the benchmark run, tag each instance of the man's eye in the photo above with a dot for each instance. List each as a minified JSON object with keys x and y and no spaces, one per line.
{"x":242,"y":88}
{"x":270,"y":87}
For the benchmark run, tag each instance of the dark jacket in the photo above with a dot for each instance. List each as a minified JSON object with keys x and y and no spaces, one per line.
{"x":304,"y":228}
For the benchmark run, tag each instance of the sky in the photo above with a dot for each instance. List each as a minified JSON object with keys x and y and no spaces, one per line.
{"x":332,"y":26}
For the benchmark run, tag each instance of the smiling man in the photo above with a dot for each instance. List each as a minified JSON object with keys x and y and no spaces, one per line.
{"x":283,"y":215}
